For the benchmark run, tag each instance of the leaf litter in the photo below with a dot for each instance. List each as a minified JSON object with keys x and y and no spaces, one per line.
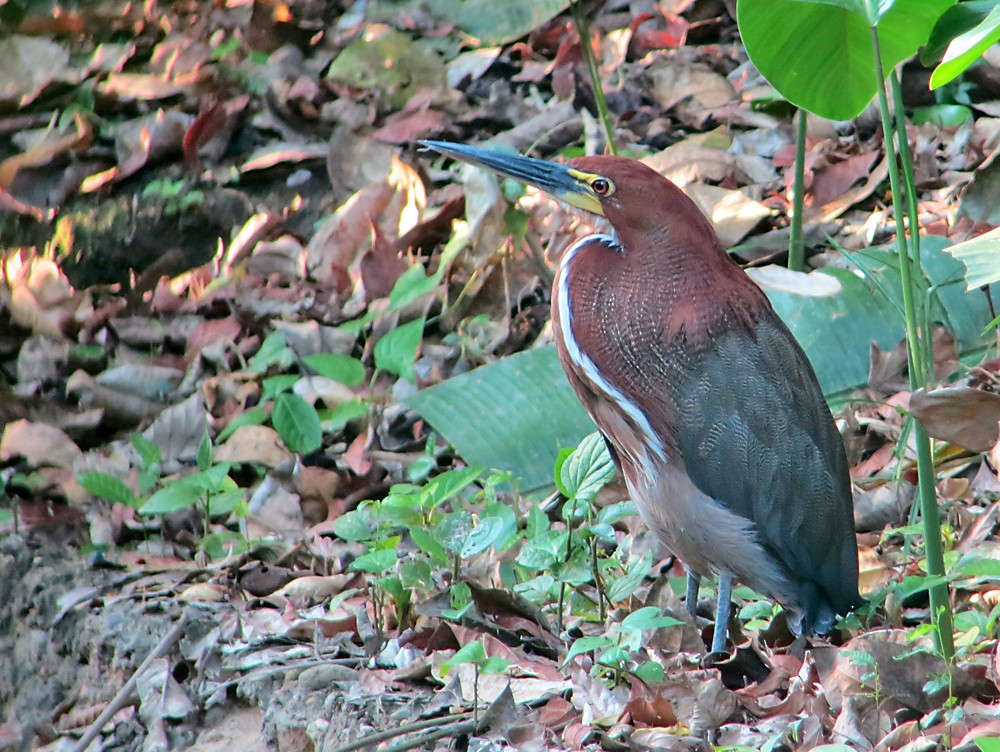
{"x":192,"y":382}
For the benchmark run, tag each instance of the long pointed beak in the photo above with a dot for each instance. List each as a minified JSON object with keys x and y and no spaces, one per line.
{"x":556,"y":179}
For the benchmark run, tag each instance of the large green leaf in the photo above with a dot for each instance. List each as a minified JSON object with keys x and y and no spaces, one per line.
{"x":966,"y":48}
{"x":489,"y":21}
{"x":495,"y":22}
{"x":981,"y":257}
{"x":818,"y":54}
{"x":516,"y":414}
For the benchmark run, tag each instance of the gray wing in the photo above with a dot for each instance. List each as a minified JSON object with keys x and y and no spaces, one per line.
{"x":742,"y":447}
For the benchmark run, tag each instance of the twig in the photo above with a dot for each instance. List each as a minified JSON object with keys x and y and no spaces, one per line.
{"x":420,"y":741}
{"x":449,"y":722}
{"x":120,"y":700}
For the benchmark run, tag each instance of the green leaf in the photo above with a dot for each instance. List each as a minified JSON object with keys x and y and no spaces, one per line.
{"x":149,"y":453}
{"x":272,"y":386}
{"x":988,"y":743}
{"x":472,"y":652}
{"x":178,"y":495}
{"x":650,"y":672}
{"x":561,"y":458}
{"x":223,"y":543}
{"x":588,"y":469}
{"x":375,"y":562}
{"x":204,"y":456}
{"x":273,"y":351}
{"x":981,"y":257}
{"x":255,"y":416}
{"x":494,"y":665}
{"x":499,"y":23}
{"x":623,"y":587}
{"x":978,"y":567}
{"x":297,"y":423}
{"x":448,"y":484}
{"x":482,"y":536}
{"x":429,"y":545}
{"x":354,"y":526}
{"x":516,"y":414}
{"x":818,"y":54}
{"x":342,"y":368}
{"x":397,"y":350}
{"x":411,"y":285}
{"x":648,"y":617}
{"x":587,"y":644}
{"x":967,"y":48}
{"x":334,"y":420}
{"x":225,"y":501}
{"x":613,"y":513}
{"x":105,"y":486}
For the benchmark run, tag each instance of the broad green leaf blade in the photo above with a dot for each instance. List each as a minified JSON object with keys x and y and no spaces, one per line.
{"x":818,"y":55}
{"x":397,"y":350}
{"x":966,"y":49}
{"x":297,"y":423}
{"x":176,"y":496}
{"x":473,"y":652}
{"x":106,"y":486}
{"x":588,"y":469}
{"x":981,"y":257}
{"x":375,"y":562}
{"x":342,"y":368}
{"x":514,"y":414}
{"x":498,"y":23}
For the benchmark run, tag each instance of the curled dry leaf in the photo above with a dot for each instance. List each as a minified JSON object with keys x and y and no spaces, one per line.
{"x":40,"y":297}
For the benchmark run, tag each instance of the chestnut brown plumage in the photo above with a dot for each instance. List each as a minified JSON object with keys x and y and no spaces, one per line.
{"x":708,"y":404}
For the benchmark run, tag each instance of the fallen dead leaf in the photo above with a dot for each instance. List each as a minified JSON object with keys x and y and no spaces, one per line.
{"x":38,"y":443}
{"x":960,"y":415}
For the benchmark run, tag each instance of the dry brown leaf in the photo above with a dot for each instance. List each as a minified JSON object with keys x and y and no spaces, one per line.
{"x":733,"y":213}
{"x":695,"y":90}
{"x":38,"y":443}
{"x":340,"y":240}
{"x":960,"y":415}
{"x":256,"y":444}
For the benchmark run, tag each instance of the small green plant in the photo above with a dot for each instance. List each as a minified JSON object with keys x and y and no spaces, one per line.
{"x":175,"y":195}
{"x":615,"y":652}
{"x":475,"y":653}
{"x":210,"y":489}
{"x":448,"y":523}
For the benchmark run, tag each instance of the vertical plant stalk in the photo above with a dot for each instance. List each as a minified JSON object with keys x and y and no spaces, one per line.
{"x":603,"y":113}
{"x":796,"y":242}
{"x":919,"y":375}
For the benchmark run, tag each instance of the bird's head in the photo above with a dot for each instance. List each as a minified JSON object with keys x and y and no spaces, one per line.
{"x":638,"y":202}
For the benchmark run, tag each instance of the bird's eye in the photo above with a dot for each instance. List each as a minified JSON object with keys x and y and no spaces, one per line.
{"x":601,"y":186}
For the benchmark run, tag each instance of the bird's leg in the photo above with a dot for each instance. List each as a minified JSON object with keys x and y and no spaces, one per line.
{"x":722,"y":610}
{"x":691,"y":596}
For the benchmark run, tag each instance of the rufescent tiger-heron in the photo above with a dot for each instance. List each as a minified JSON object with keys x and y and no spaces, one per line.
{"x":709,"y":406}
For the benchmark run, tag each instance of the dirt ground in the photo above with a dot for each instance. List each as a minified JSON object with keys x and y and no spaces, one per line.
{"x":71,"y":640}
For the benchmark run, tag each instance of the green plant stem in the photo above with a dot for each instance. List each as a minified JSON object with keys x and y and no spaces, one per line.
{"x":603,"y":113}
{"x":913,"y":221}
{"x":940,"y":611}
{"x":796,"y":243}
